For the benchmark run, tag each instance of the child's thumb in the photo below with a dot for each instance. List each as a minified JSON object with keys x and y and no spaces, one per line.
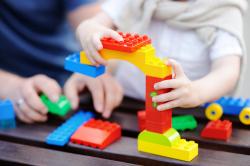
{"x":178,"y":71}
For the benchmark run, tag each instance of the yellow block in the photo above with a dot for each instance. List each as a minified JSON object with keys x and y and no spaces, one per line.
{"x":168,"y":144}
{"x":144,"y":58}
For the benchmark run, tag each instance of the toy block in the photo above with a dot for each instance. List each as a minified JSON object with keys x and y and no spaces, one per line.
{"x":62,"y":134}
{"x":60,"y":108}
{"x":141,"y":116}
{"x":144,"y":58}
{"x":130,"y":43}
{"x":168,"y":144}
{"x":72,"y":63}
{"x":7,"y":115}
{"x":185,"y":122}
{"x":218,"y":129}
{"x":156,"y":121}
{"x":97,"y":134}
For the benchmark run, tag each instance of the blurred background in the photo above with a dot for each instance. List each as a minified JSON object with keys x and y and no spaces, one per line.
{"x":245,"y":89}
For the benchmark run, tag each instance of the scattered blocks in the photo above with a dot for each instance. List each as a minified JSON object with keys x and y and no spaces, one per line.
{"x":97,"y":134}
{"x":7,"y":115}
{"x":218,"y":129}
{"x":60,"y":108}
{"x":62,"y":134}
{"x":130,"y":43}
{"x":72,"y":63}
{"x":185,"y":122}
{"x":168,"y":144}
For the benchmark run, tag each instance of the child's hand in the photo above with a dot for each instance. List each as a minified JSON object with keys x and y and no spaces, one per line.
{"x":183,"y":93}
{"x":105,"y":90}
{"x":90,"y":33}
{"x":25,"y":93}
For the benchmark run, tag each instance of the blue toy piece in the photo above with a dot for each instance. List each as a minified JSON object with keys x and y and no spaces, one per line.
{"x":7,"y":115}
{"x":62,"y":134}
{"x":72,"y":63}
{"x":229,"y":106}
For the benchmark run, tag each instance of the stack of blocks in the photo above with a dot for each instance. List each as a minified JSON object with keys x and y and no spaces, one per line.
{"x":7,"y":115}
{"x":158,"y":137}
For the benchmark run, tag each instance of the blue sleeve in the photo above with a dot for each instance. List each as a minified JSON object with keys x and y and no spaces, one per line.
{"x":73,"y":4}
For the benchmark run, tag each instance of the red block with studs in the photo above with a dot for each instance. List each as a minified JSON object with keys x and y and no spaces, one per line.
{"x":141,"y":115}
{"x":130,"y":43}
{"x":97,"y":134}
{"x":218,"y":129}
{"x":156,"y":121}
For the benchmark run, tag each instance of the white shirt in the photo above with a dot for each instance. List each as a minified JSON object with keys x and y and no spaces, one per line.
{"x":184,"y":46}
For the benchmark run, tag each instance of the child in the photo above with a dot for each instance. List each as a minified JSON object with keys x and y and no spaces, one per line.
{"x":203,"y":40}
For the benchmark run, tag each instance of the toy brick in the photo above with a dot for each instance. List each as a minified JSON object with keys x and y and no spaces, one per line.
{"x":130,"y":43}
{"x":158,"y":144}
{"x":7,"y":115}
{"x":218,"y":129}
{"x":72,"y":63}
{"x":155,"y":118}
{"x":60,"y":108}
{"x":184,"y":122}
{"x":6,"y":110}
{"x":62,"y":134}
{"x":97,"y":134}
{"x":144,"y":58}
{"x":141,"y":116}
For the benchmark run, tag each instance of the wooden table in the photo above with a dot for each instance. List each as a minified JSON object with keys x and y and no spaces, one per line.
{"x":26,"y":144}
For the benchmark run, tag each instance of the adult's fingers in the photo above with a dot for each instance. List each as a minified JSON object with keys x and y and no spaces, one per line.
{"x":22,"y":117}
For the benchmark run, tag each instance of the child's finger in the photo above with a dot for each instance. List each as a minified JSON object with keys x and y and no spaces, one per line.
{"x":172,"y":95}
{"x":113,"y":34}
{"x":169,"y":105}
{"x":178,"y":71}
{"x":97,"y":41}
{"x":93,"y":62}
{"x":173,"y":84}
{"x":109,"y":99}
{"x":95,"y":55}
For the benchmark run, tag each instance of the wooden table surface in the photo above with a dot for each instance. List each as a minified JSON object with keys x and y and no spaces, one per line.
{"x":26,"y":144}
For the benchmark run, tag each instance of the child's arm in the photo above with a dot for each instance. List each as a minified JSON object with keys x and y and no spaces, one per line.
{"x":220,"y":81}
{"x":90,"y":33}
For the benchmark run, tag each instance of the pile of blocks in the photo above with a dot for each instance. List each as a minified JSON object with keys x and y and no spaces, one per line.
{"x":158,"y":136}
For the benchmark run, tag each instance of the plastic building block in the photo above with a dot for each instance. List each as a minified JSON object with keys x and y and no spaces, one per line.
{"x":184,"y":122}
{"x":144,"y":58}
{"x":168,"y":144}
{"x":72,"y":63}
{"x":141,"y":116}
{"x":156,"y":121}
{"x":62,"y":134}
{"x":7,"y":115}
{"x":97,"y":134}
{"x":230,"y":106}
{"x":218,"y":129}
{"x":60,"y":108}
{"x":130,"y":43}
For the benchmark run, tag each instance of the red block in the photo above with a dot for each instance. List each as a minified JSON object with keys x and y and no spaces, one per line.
{"x":218,"y":129}
{"x":156,"y":121}
{"x":130,"y":43}
{"x":97,"y":134}
{"x":141,"y":115}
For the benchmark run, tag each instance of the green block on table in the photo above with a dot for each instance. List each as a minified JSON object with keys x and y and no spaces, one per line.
{"x":60,"y":108}
{"x":185,"y":122}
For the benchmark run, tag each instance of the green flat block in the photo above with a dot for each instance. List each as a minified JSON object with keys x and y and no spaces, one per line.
{"x":60,"y":108}
{"x":185,"y":122}
{"x":167,"y":139}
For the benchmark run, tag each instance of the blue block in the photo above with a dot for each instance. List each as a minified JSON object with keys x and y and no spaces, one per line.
{"x":7,"y":124}
{"x":62,"y":134}
{"x":6,"y":110}
{"x":72,"y":63}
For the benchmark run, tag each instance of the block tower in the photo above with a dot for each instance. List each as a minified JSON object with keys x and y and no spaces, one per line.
{"x":159,"y":137}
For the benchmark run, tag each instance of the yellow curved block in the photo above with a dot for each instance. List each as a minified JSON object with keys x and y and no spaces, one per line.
{"x":179,"y":148}
{"x":144,"y":58}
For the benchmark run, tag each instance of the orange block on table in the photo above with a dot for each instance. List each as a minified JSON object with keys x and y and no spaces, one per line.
{"x":97,"y":134}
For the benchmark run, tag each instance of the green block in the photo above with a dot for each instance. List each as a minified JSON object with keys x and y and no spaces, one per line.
{"x":60,"y":108}
{"x":184,"y":122}
{"x":167,"y":139}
